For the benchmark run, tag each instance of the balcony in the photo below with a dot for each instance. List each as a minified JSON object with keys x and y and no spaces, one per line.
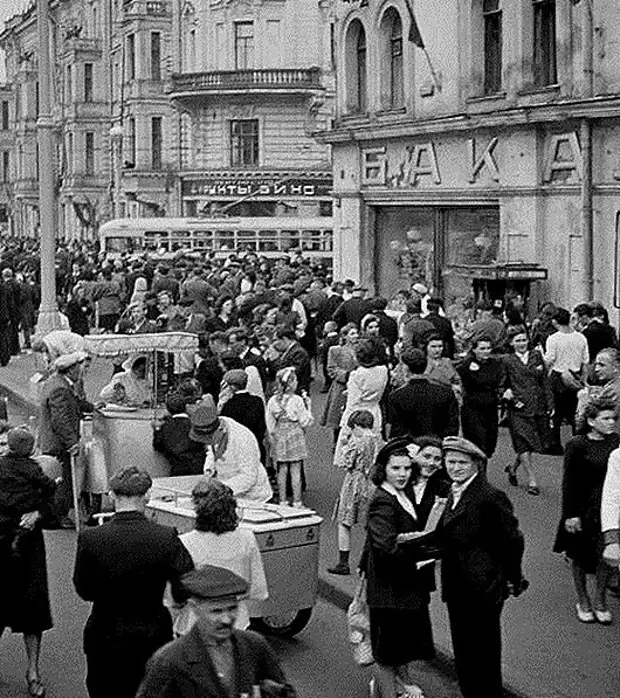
{"x":78,"y":48}
{"x":260,"y":80}
{"x":150,"y":8}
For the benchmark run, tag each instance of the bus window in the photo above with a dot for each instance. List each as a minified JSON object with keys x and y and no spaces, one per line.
{"x":267,"y":241}
{"x":247,"y":240}
{"x":327,"y":238}
{"x":118,"y":245}
{"x":311,"y":240}
{"x":224,"y":240}
{"x":289,"y":239}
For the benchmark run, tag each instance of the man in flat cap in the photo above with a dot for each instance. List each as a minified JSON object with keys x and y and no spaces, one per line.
{"x":482,"y":549}
{"x":123,"y":567}
{"x":213,"y":659}
{"x":62,"y":408}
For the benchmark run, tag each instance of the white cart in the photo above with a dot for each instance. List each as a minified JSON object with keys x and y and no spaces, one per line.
{"x":288,"y":539}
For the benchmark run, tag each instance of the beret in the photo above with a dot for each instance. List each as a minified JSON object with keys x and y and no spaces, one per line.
{"x":20,"y":441}
{"x":458,"y":443}
{"x":209,"y":582}
{"x":131,"y":482}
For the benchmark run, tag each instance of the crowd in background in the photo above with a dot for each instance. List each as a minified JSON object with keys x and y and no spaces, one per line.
{"x":400,"y":368}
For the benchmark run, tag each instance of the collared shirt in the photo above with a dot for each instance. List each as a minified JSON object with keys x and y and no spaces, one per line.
{"x":458,"y":488}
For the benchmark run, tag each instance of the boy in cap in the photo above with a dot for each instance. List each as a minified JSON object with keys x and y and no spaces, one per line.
{"x":479,"y":525}
{"x":213,"y":659}
{"x":123,"y":567}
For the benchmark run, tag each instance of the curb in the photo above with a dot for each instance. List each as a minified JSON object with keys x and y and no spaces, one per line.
{"x":327,"y":590}
{"x":443,"y":662}
{"x":22,"y":402}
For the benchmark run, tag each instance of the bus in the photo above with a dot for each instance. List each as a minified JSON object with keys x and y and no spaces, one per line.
{"x":170,"y":237}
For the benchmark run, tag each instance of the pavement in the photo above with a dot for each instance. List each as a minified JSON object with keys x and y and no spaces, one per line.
{"x":547,"y":652}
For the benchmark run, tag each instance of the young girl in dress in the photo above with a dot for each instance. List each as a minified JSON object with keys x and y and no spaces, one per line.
{"x":288,"y":416}
{"x":358,"y":457}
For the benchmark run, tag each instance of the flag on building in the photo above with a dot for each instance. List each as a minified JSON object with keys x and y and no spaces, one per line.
{"x":414,"y":31}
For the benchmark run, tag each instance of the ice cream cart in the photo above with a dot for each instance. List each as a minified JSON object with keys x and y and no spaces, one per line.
{"x":288,"y":539}
{"x":123,"y":434}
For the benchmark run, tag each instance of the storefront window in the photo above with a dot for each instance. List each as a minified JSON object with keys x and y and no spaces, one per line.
{"x":405,"y":248}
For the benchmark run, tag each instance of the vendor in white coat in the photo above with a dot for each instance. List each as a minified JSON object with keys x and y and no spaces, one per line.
{"x":130,"y":387}
{"x":610,"y":510}
{"x":232,"y":452}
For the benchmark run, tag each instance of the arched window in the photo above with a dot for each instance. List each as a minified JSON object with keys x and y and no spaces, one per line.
{"x":356,"y":68}
{"x":392,"y":89}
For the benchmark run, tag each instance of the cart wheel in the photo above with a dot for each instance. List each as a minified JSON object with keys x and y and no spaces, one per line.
{"x":285,"y":625}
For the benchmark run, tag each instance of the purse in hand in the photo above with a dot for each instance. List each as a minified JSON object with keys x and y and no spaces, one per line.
{"x":358,"y":620}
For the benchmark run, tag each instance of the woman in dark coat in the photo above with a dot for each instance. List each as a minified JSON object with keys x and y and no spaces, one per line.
{"x":483,"y":378}
{"x":397,"y":593}
{"x":529,"y":403}
{"x":579,"y":533}
{"x":25,"y":495}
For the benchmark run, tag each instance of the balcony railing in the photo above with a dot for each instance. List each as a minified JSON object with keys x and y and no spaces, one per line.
{"x":159,"y":8}
{"x":260,"y":79}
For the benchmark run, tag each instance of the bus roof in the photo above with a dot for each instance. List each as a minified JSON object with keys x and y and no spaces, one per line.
{"x":128,"y":225}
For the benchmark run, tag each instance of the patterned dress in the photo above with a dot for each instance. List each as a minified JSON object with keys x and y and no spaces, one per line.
{"x":358,"y":457}
{"x":287,"y":418}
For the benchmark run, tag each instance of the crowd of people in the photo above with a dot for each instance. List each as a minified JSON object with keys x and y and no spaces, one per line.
{"x":415,"y":396}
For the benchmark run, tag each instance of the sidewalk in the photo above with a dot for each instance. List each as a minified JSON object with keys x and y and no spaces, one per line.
{"x":547,"y":652}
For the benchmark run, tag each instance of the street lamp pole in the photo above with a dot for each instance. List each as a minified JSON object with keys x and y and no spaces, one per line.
{"x":49,"y":318}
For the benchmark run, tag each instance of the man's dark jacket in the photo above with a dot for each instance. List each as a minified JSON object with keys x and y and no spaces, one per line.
{"x":186,"y":456}
{"x":183,"y":668}
{"x":423,"y":408}
{"x":248,"y":410}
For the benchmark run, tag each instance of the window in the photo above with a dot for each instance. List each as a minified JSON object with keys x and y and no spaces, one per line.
{"x":356,"y":68}
{"x":244,"y":142}
{"x":392,"y":93}
{"x":156,"y":142}
{"x":244,"y":45}
{"x":89,"y":153}
{"x":69,"y":84}
{"x":130,"y":155}
{"x":4,"y":118}
{"x":155,"y":56}
{"x":69,"y":152}
{"x":6,"y":162}
{"x":492,"y":16}
{"x":545,"y":67}
{"x":131,"y":57}
{"x":88,"y":82}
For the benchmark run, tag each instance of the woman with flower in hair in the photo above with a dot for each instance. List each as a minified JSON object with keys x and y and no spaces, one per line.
{"x":288,"y":416}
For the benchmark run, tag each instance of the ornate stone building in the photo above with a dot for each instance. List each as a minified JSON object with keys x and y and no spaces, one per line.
{"x":478,"y":148}
{"x":253,"y":80}
{"x":6,"y":158}
{"x":115,"y":128}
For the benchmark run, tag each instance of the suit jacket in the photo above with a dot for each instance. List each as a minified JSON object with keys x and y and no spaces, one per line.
{"x":351,"y":310}
{"x":482,"y":546}
{"x":61,"y":412}
{"x":185,"y":455}
{"x":529,"y":383}
{"x":421,"y":408}
{"x":248,"y":410}
{"x":184,"y":669}
{"x":392,"y":577}
{"x":123,"y":567}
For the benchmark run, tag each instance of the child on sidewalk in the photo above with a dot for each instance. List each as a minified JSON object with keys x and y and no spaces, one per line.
{"x":288,"y":416}
{"x":357,"y":458}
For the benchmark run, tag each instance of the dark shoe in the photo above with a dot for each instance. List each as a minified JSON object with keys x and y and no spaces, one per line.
{"x":340,"y":568}
{"x":512,"y":475}
{"x":35,"y":687}
{"x":534,"y":490}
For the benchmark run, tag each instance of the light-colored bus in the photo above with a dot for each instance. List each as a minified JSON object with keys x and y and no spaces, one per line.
{"x":167,"y":237}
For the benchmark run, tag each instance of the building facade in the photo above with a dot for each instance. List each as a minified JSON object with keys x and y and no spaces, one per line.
{"x":114,"y":125}
{"x":478,"y":149}
{"x":252,"y":82}
{"x":6,"y":158}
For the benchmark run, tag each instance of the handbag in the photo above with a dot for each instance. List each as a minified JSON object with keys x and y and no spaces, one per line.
{"x":358,"y":621}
